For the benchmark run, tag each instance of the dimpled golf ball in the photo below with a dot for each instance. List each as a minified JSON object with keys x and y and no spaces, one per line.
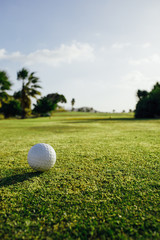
{"x":41,"y":157}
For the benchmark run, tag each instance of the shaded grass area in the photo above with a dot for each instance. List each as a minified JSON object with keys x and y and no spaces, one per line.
{"x":105,"y":183}
{"x":18,"y":178}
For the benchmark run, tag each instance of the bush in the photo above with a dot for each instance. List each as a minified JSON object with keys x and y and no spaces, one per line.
{"x":11,"y":109}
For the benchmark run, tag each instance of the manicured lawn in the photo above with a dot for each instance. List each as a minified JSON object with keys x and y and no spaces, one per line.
{"x":105,"y":183}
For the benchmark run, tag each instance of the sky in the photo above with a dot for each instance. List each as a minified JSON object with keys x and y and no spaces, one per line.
{"x":99,"y":52}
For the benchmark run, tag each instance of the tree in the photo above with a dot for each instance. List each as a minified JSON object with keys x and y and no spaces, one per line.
{"x":5,"y":85}
{"x":72,"y":103}
{"x":148,"y":105}
{"x":43,"y":106}
{"x":142,"y":94}
{"x":56,"y":98}
{"x":30,"y":84}
{"x":48,"y":103}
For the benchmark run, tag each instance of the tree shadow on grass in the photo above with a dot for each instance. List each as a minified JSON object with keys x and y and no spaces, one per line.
{"x":89,"y":120}
{"x":7,"y":181}
{"x":109,"y":119}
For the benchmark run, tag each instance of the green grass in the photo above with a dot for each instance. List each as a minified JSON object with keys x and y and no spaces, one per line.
{"x":105,"y":183}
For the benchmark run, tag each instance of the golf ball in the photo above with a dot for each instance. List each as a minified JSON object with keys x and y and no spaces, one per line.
{"x":41,"y":157}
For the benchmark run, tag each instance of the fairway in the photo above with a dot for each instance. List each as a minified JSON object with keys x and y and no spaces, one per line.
{"x":105,"y":183}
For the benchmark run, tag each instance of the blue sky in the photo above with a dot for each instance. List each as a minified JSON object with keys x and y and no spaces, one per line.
{"x":99,"y":52}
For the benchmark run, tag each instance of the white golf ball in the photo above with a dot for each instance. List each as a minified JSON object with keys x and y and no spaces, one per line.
{"x":41,"y":157}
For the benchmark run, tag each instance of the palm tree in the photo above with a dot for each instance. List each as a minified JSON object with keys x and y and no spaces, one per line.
{"x":72,"y":103}
{"x":30,"y":84}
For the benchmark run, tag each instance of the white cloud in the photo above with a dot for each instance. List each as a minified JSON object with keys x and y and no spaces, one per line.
{"x":14,"y":55}
{"x":121,"y":45}
{"x":155,"y":58}
{"x":137,"y":80}
{"x":64,"y":54}
{"x":134,"y":78}
{"x":2,"y":53}
{"x":146,"y":45}
{"x":139,"y":61}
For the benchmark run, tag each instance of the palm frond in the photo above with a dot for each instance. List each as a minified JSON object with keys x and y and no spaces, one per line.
{"x":35,"y":86}
{"x":33,"y":93}
{"x":35,"y":80}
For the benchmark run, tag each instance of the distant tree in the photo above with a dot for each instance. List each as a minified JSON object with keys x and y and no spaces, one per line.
{"x":30,"y":86}
{"x":48,"y":103}
{"x":5,"y":85}
{"x":86,"y":109}
{"x":148,"y":105}
{"x":72,"y":103}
